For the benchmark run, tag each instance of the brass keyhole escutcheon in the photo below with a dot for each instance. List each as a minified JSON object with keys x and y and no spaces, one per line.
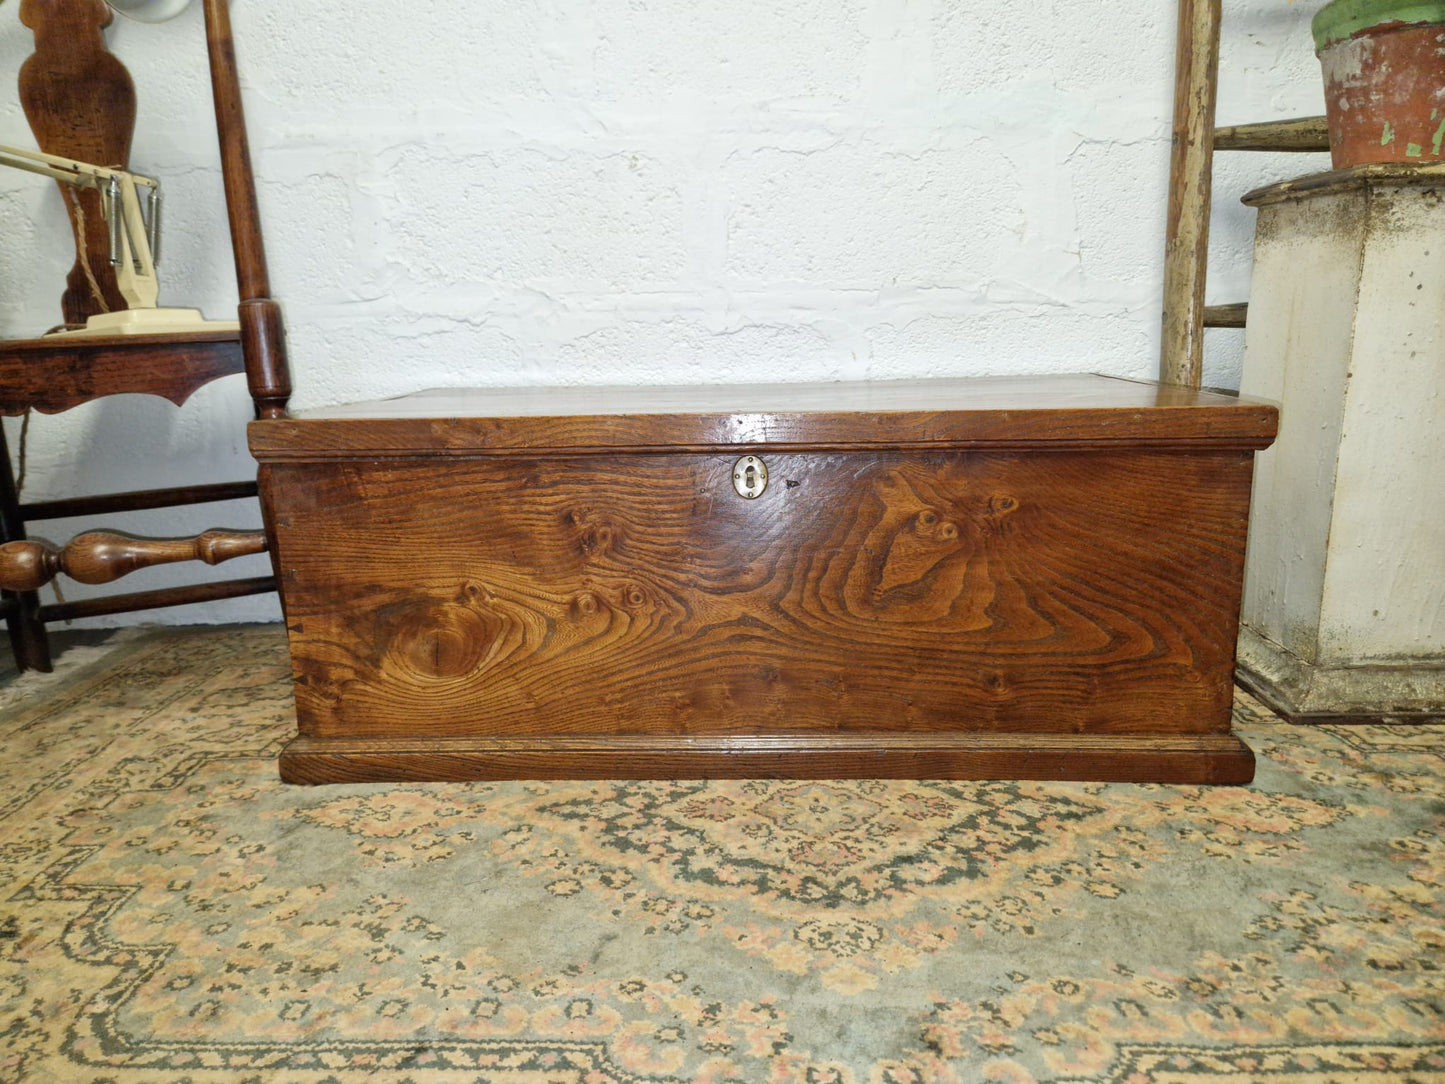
{"x":750,"y":477}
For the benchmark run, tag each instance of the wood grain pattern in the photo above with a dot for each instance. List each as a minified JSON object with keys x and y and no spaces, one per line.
{"x":1191,"y":164}
{"x":80,"y":102}
{"x":1064,"y":592}
{"x":1074,"y":411}
{"x":55,"y":374}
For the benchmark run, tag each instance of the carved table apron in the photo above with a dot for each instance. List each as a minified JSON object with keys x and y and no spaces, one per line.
{"x":998,"y":578}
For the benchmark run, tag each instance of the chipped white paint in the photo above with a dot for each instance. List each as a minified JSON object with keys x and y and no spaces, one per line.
{"x":634,"y":191}
{"x":1344,"y":607}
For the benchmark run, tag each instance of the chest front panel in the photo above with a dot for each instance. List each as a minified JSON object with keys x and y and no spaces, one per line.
{"x":872,"y":591}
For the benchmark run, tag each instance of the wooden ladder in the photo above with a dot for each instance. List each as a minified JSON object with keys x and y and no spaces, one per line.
{"x":1191,"y":166}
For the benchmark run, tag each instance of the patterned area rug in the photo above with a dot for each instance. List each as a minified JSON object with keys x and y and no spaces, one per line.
{"x":172,"y":914}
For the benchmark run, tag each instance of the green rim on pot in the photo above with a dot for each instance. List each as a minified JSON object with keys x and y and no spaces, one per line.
{"x":1341,"y":19}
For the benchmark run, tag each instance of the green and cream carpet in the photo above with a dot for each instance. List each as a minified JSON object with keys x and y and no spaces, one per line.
{"x":172,"y":914}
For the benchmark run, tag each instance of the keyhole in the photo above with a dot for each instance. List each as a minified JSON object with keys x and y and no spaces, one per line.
{"x":750,"y":477}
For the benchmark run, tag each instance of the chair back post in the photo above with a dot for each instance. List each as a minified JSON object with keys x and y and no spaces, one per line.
{"x":263,"y":334}
{"x":1186,"y":247}
{"x":80,"y":102}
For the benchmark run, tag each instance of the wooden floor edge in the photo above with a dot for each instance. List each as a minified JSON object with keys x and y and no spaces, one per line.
{"x":1206,"y":759}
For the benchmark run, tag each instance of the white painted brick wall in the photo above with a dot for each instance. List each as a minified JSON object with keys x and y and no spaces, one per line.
{"x":634,"y":191}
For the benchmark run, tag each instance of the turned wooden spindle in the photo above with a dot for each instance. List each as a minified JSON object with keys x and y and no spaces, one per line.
{"x":263,"y":333}
{"x":103,"y":556}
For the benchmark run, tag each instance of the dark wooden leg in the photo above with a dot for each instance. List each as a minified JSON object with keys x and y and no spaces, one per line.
{"x":27,"y":631}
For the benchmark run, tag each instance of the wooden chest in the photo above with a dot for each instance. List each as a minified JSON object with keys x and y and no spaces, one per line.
{"x":998,"y":578}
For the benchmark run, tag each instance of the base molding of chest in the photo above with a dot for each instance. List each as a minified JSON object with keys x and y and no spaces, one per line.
{"x":1201,"y":759}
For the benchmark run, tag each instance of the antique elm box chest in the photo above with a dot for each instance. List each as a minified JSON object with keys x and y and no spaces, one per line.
{"x":996,"y":578}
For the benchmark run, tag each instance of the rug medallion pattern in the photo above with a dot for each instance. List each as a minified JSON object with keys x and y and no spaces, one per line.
{"x":172,"y":914}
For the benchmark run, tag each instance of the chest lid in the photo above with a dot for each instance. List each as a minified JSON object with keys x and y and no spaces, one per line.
{"x":1076,"y":411}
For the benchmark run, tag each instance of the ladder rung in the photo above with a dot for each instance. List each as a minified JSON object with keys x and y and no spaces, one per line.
{"x":1300,"y":134}
{"x":137,"y":500}
{"x":152,"y":600}
{"x":1225,"y":315}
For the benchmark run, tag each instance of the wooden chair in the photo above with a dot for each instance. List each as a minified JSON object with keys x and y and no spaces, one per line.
{"x":80,"y":103}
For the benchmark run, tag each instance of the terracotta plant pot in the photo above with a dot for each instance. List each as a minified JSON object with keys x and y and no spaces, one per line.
{"x":1384,"y":70}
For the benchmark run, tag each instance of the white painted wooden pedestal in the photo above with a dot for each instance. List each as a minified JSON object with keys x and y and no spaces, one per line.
{"x":1344,"y":605}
